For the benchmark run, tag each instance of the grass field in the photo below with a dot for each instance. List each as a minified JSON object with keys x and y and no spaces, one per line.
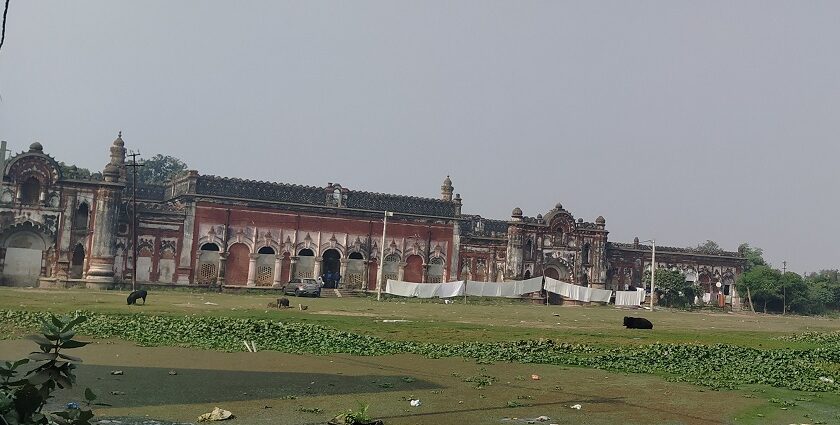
{"x":310,"y":389}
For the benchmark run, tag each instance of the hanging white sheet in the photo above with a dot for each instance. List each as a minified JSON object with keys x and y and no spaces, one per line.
{"x":450,"y":289}
{"x":427,"y":290}
{"x":601,"y":295}
{"x":509,"y":289}
{"x":528,"y":286}
{"x":403,"y":289}
{"x":633,"y":298}
{"x":557,"y":287}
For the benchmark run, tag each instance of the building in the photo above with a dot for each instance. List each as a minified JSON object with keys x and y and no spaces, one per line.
{"x":208,"y":230}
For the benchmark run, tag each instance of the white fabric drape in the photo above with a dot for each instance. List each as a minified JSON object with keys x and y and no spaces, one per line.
{"x":601,"y":295}
{"x":424,"y":290}
{"x":508,"y":289}
{"x":558,"y":287}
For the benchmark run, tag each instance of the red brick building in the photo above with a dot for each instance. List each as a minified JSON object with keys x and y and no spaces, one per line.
{"x":208,"y":230}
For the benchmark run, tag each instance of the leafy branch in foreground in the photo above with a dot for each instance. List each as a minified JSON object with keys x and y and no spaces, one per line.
{"x":23,"y":399}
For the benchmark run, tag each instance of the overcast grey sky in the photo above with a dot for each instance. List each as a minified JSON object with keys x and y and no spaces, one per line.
{"x":680,"y":121}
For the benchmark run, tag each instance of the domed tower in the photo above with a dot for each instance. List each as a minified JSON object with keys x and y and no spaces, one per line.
{"x":100,"y":273}
{"x":447,"y":189}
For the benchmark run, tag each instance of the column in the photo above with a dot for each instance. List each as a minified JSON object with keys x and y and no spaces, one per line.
{"x":278,"y":268}
{"x":252,"y":269}
{"x":222,"y":268}
{"x":342,"y":271}
{"x":425,"y":278}
{"x":318,"y":261}
{"x":100,"y":271}
{"x":293,"y":266}
{"x":401,"y":272}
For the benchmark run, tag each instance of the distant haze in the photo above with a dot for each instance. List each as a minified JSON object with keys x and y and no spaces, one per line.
{"x":675,"y":120}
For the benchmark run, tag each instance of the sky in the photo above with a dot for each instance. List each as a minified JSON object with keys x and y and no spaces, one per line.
{"x":679,"y":121}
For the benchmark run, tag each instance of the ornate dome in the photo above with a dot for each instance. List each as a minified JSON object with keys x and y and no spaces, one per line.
{"x":600,"y":220}
{"x":559,"y":206}
{"x":36,"y":147}
{"x":447,"y":182}
{"x":119,"y":141}
{"x":517,"y":212}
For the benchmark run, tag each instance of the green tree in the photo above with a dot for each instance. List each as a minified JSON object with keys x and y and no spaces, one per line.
{"x":674,"y":290}
{"x":74,"y":172}
{"x":159,"y":169}
{"x":764,"y":285}
{"x":709,"y":247}
{"x":754,"y":256}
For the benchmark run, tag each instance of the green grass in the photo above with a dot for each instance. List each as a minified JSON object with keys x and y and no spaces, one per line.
{"x":491,"y":321}
{"x":435,"y":321}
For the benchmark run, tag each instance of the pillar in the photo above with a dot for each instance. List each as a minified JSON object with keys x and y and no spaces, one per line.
{"x":424,"y":278}
{"x":317,"y":272}
{"x":278,"y":268}
{"x":252,"y":269}
{"x":292,"y":266}
{"x":100,"y":271}
{"x":401,"y":272}
{"x":342,"y":270}
{"x":222,"y":268}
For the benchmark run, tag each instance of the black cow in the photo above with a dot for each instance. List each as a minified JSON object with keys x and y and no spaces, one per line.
{"x":637,"y":323}
{"x":134,"y":296}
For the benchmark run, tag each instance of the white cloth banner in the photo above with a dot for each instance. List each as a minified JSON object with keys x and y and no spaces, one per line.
{"x":451,"y":289}
{"x":600,"y":295}
{"x":509,"y":289}
{"x":577,"y":292}
{"x":557,"y":287}
{"x":403,"y":289}
{"x":424,"y":290}
{"x":628,"y":298}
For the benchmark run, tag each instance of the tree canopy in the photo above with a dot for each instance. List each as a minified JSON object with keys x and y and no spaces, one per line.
{"x":160,"y":169}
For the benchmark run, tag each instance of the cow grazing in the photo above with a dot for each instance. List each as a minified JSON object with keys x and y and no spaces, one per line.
{"x":136,"y":295}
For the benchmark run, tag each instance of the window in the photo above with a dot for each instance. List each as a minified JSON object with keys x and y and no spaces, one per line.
{"x":30,"y":191}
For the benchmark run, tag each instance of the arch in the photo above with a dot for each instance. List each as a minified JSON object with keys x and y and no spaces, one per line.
{"x":331,"y":267}
{"x":391,"y":267}
{"x":557,"y":271}
{"x":356,"y":256}
{"x":264,"y":275}
{"x":305,"y":267}
{"x":435,"y":271}
{"x":413,"y":271}
{"x":266,"y":250}
{"x":24,"y":255}
{"x":30,"y":191}
{"x":207,"y":271}
{"x":355,"y":270}
{"x":80,"y":220}
{"x":236,"y":268}
{"x":77,"y":262}
{"x":584,"y":254}
{"x":285,"y":266}
{"x":210,"y":247}
{"x":527,"y":274}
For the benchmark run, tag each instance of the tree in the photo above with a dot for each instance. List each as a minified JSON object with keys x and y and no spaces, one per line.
{"x":159,"y":169}
{"x":709,"y":247}
{"x":74,"y":172}
{"x":674,"y":289}
{"x":764,"y":285}
{"x":754,"y":256}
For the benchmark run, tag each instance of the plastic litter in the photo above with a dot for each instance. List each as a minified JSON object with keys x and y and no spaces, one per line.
{"x":414,"y":403}
{"x":827,"y":379}
{"x":72,"y":405}
{"x":173,"y":372}
{"x":535,"y":377}
{"x":216,"y":415}
{"x":576,"y":406}
{"x":116,"y":372}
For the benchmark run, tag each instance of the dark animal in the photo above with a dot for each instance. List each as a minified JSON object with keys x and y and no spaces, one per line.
{"x":283,"y":302}
{"x":637,"y":323}
{"x":136,"y":295}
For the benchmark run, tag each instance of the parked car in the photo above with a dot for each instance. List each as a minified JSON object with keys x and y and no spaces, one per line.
{"x":301,"y":287}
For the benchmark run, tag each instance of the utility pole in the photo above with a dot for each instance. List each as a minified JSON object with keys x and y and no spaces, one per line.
{"x":382,"y":257}
{"x":134,"y":166}
{"x":784,"y":288}
{"x":652,"y":270}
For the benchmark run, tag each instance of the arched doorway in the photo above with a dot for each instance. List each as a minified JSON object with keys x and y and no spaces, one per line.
{"x":373,"y":273}
{"x":435,"y":272}
{"x":265,"y":267}
{"x":77,"y":262}
{"x":355,"y":270}
{"x":413,"y":271}
{"x":556,"y":271}
{"x":236,"y":268}
{"x":24,"y":254}
{"x":208,"y":264}
{"x":331,"y":267}
{"x":391,"y":268}
{"x":306,"y":264}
